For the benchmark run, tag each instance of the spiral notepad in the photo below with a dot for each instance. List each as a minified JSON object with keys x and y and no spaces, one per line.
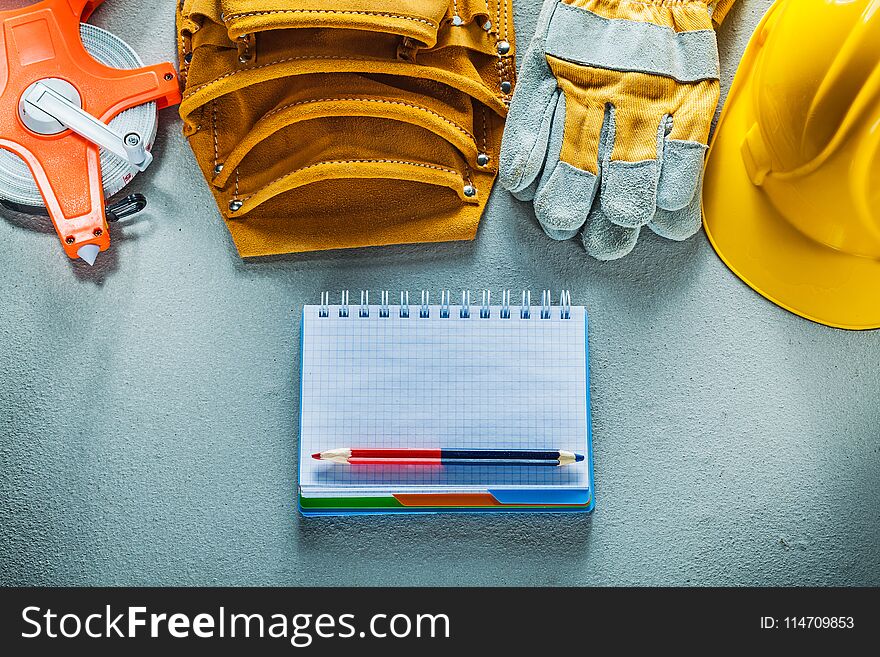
{"x":454,"y":374}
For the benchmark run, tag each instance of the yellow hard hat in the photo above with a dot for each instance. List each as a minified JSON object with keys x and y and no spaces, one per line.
{"x":791,"y":199}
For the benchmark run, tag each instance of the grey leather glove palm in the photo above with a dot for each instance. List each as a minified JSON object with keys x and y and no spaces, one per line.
{"x":608,"y":127}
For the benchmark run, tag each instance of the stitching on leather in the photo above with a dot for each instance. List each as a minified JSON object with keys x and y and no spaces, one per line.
{"x":190,"y":93}
{"x":311,"y":166}
{"x":216,"y":139}
{"x":485,"y":129}
{"x":374,"y":100}
{"x":332,"y":11}
{"x":185,"y":49}
{"x":204,"y":85}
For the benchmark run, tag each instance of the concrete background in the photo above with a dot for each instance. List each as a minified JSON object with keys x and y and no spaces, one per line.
{"x":148,"y":407}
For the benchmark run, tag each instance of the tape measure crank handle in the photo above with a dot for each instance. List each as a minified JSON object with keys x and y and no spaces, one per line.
{"x":42,"y":105}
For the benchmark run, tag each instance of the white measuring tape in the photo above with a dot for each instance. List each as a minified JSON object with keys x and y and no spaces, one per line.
{"x":17,"y":185}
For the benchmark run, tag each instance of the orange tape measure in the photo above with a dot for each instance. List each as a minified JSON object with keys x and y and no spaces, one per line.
{"x":57,"y":103}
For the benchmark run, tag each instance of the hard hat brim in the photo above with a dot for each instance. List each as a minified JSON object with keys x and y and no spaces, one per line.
{"x":761,"y":246}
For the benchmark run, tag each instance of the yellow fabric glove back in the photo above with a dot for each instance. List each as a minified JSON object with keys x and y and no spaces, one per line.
{"x":608,"y":128}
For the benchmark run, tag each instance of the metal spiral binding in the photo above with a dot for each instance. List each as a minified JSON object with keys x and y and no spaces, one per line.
{"x":425,"y":312}
{"x":565,"y":304}
{"x":384,"y":308}
{"x":546,"y":302}
{"x":505,"y":304}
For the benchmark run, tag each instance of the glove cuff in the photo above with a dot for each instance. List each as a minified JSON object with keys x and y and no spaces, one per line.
{"x":656,"y":3}
{"x":679,"y":15}
{"x":719,"y":10}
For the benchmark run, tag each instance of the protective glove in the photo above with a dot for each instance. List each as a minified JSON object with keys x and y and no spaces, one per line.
{"x":609,"y":125}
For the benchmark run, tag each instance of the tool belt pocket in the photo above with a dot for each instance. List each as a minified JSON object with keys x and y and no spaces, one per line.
{"x":315,"y":133}
{"x":198,"y":10}
{"x":419,"y":20}
{"x":201,"y":39}
{"x":314,"y":141}
{"x":472,"y":24}
{"x":283,"y":193}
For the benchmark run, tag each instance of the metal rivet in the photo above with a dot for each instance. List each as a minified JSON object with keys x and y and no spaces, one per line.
{"x":506,"y":87}
{"x":503,"y":47}
{"x":98,"y":232}
{"x":482,"y":159}
{"x":470,"y":191}
{"x":235,"y":206}
{"x":218,"y":169}
{"x":169,"y":76}
{"x":188,"y":57}
{"x":457,"y":21}
{"x":487,"y":25}
{"x":70,"y":240}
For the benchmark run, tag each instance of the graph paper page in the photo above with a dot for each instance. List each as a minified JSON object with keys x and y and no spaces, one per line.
{"x":442,"y":382}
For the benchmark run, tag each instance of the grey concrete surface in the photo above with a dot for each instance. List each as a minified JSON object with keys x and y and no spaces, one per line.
{"x":148,"y":407}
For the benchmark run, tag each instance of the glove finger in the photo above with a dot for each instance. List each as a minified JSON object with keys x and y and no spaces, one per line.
{"x":681,"y":224}
{"x":555,"y":137}
{"x":684,"y":147}
{"x":629,"y":174}
{"x":565,"y":192}
{"x":605,"y":240}
{"x":524,"y":146}
{"x":680,"y":173}
{"x":527,"y":194}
